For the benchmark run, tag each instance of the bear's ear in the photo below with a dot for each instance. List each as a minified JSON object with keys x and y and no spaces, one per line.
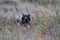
{"x":23,"y":14}
{"x":28,"y":14}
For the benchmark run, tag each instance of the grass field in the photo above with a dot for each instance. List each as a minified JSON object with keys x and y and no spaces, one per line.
{"x":45,"y":22}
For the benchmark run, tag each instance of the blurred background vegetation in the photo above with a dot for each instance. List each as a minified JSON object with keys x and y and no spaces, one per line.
{"x":40,"y":24}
